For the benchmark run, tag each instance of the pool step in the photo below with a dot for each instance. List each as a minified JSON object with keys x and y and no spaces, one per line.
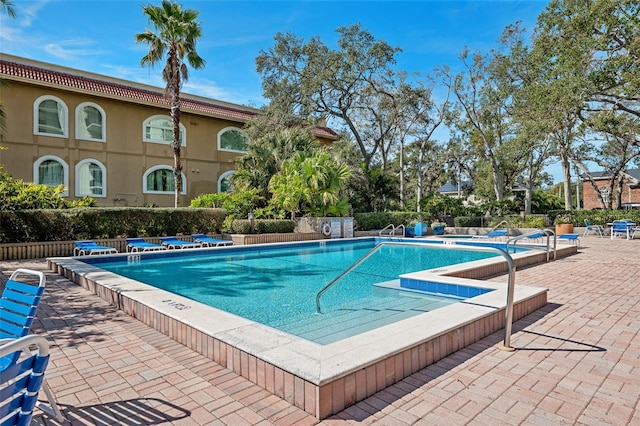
{"x":338,"y":322}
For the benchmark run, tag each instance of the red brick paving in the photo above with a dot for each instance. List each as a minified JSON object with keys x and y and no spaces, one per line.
{"x":577,"y":361}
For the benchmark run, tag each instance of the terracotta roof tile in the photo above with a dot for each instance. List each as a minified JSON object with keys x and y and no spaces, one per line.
{"x":128,"y":93}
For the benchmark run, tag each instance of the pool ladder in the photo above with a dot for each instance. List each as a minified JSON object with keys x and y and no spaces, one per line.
{"x":392,"y":230}
{"x":510,"y":285}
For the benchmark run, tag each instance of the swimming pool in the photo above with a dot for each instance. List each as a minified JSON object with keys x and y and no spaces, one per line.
{"x":277,"y":286}
{"x":322,"y":379}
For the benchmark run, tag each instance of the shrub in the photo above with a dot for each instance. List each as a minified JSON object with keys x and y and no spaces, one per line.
{"x":263,"y":226}
{"x":94,"y":223}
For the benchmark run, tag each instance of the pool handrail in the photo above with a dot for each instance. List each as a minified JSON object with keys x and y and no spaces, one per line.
{"x":510,"y":285}
{"x":547,"y":232}
{"x":393,"y":230}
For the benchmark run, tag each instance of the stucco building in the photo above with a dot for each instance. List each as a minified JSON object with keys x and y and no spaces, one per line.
{"x":630,"y":196}
{"x":109,"y":138}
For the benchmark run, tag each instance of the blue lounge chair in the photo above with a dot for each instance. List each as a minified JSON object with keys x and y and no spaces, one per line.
{"x":496,"y":233}
{"x":207,"y":241}
{"x":22,"y":380}
{"x":175,"y":243}
{"x":135,"y":245}
{"x":88,"y":247}
{"x":18,"y":305}
{"x":536,"y":236}
{"x":573,"y":238}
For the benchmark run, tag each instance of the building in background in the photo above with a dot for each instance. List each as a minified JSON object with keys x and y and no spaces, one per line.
{"x":630,"y":197}
{"x":108,"y":138}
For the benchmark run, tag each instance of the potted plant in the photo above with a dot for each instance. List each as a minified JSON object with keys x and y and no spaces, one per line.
{"x":564,"y":224}
{"x":438,"y":228}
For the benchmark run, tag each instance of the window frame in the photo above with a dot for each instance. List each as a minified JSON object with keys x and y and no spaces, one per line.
{"x":65,"y":170}
{"x":79,"y":110}
{"x":162,"y":167}
{"x":183,"y":129}
{"x":104,"y":178}
{"x":224,"y":176}
{"x":227,"y":129}
{"x":36,"y":116}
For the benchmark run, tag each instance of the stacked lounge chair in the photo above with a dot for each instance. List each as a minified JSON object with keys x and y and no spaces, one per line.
{"x":207,"y":241}
{"x":135,"y":245}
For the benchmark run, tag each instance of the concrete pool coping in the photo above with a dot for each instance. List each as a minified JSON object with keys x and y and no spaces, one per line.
{"x":321,"y":379}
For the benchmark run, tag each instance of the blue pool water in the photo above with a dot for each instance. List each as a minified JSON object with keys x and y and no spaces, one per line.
{"x":278,"y":286}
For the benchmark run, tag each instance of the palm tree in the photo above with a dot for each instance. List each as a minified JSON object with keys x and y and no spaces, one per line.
{"x":176,"y":34}
{"x":6,"y":6}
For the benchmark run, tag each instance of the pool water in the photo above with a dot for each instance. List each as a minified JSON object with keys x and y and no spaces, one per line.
{"x":278,"y":286}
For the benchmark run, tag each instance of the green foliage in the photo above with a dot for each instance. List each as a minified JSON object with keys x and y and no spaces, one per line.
{"x":310,"y":183}
{"x":379,"y":220}
{"x":467,"y":221}
{"x":91,"y":223}
{"x":438,"y":206}
{"x":262,"y":226}
{"x":238,"y":204}
{"x":596,"y":217}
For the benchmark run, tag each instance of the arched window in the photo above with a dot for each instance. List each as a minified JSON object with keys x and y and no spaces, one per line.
{"x":159,"y":129}
{"x":50,"y":116}
{"x":224,"y":182}
{"x":90,"y":122}
{"x":232,"y":139}
{"x":91,"y":179}
{"x":51,"y":171}
{"x":159,"y":180}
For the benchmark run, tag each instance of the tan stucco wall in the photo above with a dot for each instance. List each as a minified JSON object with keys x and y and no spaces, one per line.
{"x":124,"y":154}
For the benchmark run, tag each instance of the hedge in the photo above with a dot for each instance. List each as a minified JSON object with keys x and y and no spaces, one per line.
{"x":262,"y":226}
{"x":96,"y":223}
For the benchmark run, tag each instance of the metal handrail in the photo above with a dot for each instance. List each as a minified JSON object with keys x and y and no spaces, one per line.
{"x":404,"y":230}
{"x":389,"y":226}
{"x":547,"y":232}
{"x":510,"y":285}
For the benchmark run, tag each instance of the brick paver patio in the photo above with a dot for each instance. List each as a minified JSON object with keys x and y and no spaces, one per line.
{"x":577,"y":361}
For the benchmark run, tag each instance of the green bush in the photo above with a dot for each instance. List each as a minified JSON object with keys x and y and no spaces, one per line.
{"x":95,"y":223}
{"x":263,"y":226}
{"x":380,"y":220}
{"x":467,"y":222}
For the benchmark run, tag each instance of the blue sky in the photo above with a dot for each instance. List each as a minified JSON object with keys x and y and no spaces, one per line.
{"x":98,"y":35}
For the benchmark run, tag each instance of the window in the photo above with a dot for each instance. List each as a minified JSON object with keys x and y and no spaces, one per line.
{"x":159,"y":129}
{"x":91,"y":179}
{"x":224,"y":183}
{"x":232,"y":139}
{"x":90,"y":122}
{"x":159,"y":180}
{"x":50,"y":116}
{"x":51,"y":171}
{"x":604,"y":193}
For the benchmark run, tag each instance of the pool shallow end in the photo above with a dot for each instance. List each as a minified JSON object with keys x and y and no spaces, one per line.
{"x":321,"y":379}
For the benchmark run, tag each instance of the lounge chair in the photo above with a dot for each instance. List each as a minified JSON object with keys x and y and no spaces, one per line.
{"x":593,"y":229}
{"x":22,"y":380}
{"x":175,"y":243}
{"x":536,"y":236}
{"x":207,"y":241}
{"x":135,"y":245}
{"x":88,"y":247}
{"x":496,"y":233}
{"x":18,"y":305}
{"x":573,"y":238}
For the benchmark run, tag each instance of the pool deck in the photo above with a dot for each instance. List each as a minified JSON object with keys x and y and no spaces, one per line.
{"x":577,"y":361}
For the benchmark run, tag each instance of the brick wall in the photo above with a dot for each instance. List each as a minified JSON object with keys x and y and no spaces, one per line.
{"x":590,"y":198}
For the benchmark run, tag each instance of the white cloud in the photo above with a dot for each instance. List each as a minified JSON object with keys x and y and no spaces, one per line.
{"x":71,"y":49}
{"x":27,"y":11}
